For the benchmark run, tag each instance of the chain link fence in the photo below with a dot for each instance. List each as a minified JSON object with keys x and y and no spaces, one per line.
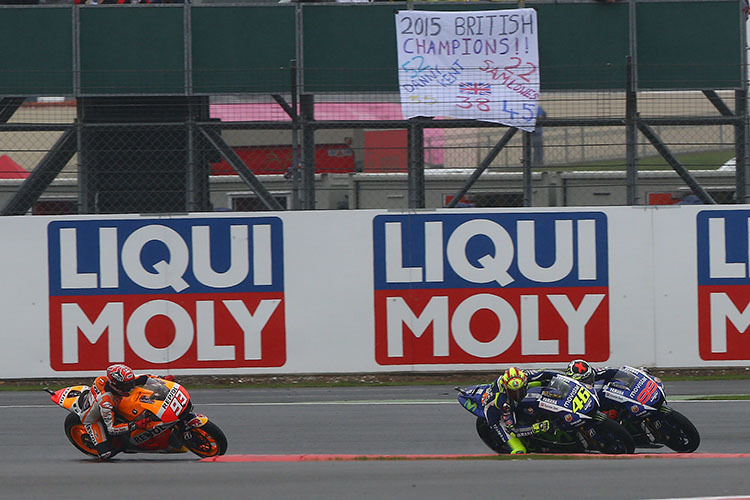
{"x":352,"y":151}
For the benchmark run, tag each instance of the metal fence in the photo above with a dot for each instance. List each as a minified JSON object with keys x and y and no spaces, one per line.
{"x":204,"y":115}
{"x":354,"y":151}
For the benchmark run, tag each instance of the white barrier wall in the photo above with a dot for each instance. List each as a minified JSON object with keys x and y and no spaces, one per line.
{"x":375,"y":291}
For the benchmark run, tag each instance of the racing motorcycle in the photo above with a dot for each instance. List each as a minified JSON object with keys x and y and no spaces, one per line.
{"x":640,"y":405}
{"x":576,"y":424}
{"x":178,"y":429}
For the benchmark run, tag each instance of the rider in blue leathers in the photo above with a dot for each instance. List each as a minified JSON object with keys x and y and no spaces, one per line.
{"x":501,"y":401}
{"x":582,"y":371}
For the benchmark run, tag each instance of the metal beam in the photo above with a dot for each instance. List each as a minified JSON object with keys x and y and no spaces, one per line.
{"x":631,"y":135}
{"x":528,"y":199}
{"x":504,"y":140}
{"x":285,"y":106}
{"x":8,"y":106}
{"x":742,"y":179}
{"x":415,"y":162}
{"x":307,"y":116}
{"x":686,"y":176}
{"x":231,"y":156}
{"x":43,"y":174}
{"x":718,"y":102}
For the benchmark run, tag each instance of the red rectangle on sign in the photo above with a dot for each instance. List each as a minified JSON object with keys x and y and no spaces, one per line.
{"x":473,"y":326}
{"x":232,"y":330}
{"x":723,"y":322}
{"x":267,"y":160}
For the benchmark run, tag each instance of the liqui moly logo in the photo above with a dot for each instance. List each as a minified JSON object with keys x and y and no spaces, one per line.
{"x":183,"y":293}
{"x":487,"y":288}
{"x":723,"y":284}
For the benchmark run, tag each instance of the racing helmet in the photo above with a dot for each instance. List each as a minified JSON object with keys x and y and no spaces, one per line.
{"x":515,"y":383}
{"x":582,"y":371}
{"x":121,"y":379}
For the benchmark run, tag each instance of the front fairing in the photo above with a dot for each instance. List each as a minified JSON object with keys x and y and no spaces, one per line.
{"x":164,"y":399}
{"x":634,"y":391}
{"x":159,"y":400}
{"x":563,"y":399}
{"x":67,"y":397}
{"x":472,"y":398}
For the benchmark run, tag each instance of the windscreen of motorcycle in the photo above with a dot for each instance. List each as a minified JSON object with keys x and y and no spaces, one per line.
{"x":165,"y":399}
{"x":636,"y":386}
{"x":564,"y":395}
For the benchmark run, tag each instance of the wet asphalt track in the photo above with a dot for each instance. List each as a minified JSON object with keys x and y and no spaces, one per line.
{"x":37,"y":462}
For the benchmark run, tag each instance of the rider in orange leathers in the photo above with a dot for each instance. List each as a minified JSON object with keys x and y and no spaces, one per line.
{"x":98,"y":410}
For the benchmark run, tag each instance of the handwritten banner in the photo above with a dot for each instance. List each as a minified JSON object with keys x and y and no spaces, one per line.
{"x":481,"y":65}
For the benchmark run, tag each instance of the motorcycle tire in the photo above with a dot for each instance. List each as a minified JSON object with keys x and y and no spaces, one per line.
{"x":614,"y":438}
{"x":679,"y":433}
{"x":77,"y":435}
{"x":205,"y":441}
{"x":490,"y":437}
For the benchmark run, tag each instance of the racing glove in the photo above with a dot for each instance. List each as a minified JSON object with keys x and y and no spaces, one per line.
{"x":170,"y":378}
{"x":538,"y":427}
{"x":613,"y":414}
{"x":143,"y":424}
{"x":507,"y":416}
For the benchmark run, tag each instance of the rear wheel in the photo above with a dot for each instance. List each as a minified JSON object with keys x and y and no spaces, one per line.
{"x":76,"y":433}
{"x":679,"y":433}
{"x":205,"y":441}
{"x":614,"y":438}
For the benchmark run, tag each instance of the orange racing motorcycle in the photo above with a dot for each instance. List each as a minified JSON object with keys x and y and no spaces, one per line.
{"x":159,"y":400}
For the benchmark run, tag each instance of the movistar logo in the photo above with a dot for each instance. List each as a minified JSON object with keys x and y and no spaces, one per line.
{"x":470,"y":405}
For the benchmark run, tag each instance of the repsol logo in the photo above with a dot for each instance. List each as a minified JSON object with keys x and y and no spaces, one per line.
{"x":188,"y":293}
{"x":146,"y":435}
{"x":478,"y":288}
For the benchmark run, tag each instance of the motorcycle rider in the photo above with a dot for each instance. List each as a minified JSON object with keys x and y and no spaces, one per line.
{"x":583,"y":371}
{"x":501,"y":401}
{"x":98,"y":409}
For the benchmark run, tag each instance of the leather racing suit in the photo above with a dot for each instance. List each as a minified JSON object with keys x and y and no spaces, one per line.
{"x":500,"y":412}
{"x":98,"y":416}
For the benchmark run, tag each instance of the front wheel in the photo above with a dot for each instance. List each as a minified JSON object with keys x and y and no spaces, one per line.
{"x":205,"y":441}
{"x":76,"y":433}
{"x":613,"y":438}
{"x":677,"y":432}
{"x":490,"y":437}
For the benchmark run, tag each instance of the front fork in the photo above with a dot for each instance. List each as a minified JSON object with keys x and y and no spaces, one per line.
{"x":192,"y":421}
{"x":653,"y":424}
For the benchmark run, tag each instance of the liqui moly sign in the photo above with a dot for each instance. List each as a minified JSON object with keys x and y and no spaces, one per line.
{"x":182,"y":293}
{"x":723,"y":284}
{"x":491,"y":288}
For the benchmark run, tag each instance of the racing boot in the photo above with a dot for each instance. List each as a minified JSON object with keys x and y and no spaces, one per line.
{"x":106,"y":451}
{"x":516,"y":446}
{"x":175,"y":446}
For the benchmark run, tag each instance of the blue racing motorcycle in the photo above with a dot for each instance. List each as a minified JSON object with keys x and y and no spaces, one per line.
{"x":640,"y":406}
{"x":576,"y":424}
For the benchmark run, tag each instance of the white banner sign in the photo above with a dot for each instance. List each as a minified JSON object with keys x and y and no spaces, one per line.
{"x":481,"y":65}
{"x":384,"y":291}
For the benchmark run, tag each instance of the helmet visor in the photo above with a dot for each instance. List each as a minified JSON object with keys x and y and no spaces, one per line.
{"x":125,"y":387}
{"x":516,"y":395}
